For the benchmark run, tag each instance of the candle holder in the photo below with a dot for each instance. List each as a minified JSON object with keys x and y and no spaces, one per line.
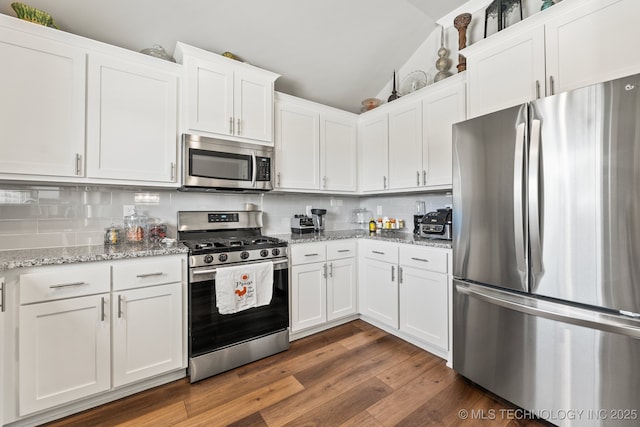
{"x":500,"y":10}
{"x":442,"y":63}
{"x":461,"y":22}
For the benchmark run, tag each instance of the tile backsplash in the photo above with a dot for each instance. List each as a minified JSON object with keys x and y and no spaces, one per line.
{"x":43,"y":216}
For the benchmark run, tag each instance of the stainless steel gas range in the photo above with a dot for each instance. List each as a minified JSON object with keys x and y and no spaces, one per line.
{"x":217,"y":240}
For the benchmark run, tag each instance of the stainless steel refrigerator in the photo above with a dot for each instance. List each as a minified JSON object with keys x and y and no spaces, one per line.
{"x":546,"y":217}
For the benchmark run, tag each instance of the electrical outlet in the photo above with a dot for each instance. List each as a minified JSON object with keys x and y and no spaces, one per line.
{"x":128,"y":210}
{"x":379,"y":210}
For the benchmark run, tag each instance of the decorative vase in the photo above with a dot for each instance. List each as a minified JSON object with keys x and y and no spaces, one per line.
{"x":442,"y":63}
{"x":461,"y":22}
{"x":546,"y":4}
{"x":394,"y":92}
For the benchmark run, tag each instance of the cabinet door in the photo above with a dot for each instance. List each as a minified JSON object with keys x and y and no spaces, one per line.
{"x":209,"y":97}
{"x":147,"y":332}
{"x":338,"y":151}
{"x":64,"y":351}
{"x":3,"y":308}
{"x":253,"y":106}
{"x":379,"y":291}
{"x":341,"y":288}
{"x":374,"y":143}
{"x":42,"y":106}
{"x":424,"y":306}
{"x":405,"y":146}
{"x":440,"y":110}
{"x":591,"y":44}
{"x":308,"y":296}
{"x":297,"y":147}
{"x":132,"y":121}
{"x":508,"y":73}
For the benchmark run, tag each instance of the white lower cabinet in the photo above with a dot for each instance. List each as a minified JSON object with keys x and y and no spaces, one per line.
{"x":88,"y":328}
{"x":323,"y":283}
{"x":406,"y":287}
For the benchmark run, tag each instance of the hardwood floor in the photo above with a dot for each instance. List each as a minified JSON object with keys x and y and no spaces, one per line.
{"x":351,"y":375}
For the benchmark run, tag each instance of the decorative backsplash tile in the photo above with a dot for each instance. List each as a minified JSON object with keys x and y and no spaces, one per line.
{"x":42,"y":216}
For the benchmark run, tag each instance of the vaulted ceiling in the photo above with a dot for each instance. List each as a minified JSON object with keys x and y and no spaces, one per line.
{"x":336,"y":52}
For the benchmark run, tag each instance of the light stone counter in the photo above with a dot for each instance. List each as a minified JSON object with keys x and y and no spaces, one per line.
{"x":74,"y":254}
{"x":389,"y":236}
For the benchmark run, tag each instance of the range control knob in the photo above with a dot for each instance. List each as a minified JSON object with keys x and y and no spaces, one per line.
{"x":208,"y":259}
{"x":264,"y":253}
{"x":275,"y":252}
{"x":223,"y":257}
{"x":244,"y":255}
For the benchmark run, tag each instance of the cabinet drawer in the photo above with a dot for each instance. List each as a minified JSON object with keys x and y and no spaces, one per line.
{"x":424,"y":258}
{"x":136,"y":273}
{"x":341,"y":249}
{"x":52,"y":283}
{"x":305,"y":253}
{"x":387,"y":252}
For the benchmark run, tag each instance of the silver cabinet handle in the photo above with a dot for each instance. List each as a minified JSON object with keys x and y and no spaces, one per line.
{"x":311,"y":254}
{"x":331,"y":270}
{"x":399,"y":275}
{"x":417,"y":178}
{"x":420,"y":259}
{"x":102,"y":310}
{"x":67,"y":285}
{"x":384,"y":182}
{"x":78,"y":164}
{"x":537,"y":89}
{"x":120,"y":310}
{"x":377,"y":252}
{"x":278,"y":180}
{"x":238,"y":127}
{"x":231,"y":125}
{"x":324,"y":270}
{"x":2,"y":294}
{"x":324,"y":181}
{"x":424,"y":177}
{"x":142,"y":276}
{"x":173,"y":171}
{"x":344,"y":250}
{"x":393,"y":273}
{"x":552,"y":89}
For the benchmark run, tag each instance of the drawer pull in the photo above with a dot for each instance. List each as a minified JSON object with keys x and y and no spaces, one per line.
{"x":377,"y":252}
{"x":420,"y":259}
{"x":344,"y":250}
{"x":67,"y":285}
{"x":120,"y":312}
{"x":102,"y":313}
{"x":142,"y":276}
{"x":311,"y":254}
{"x":2,"y":295}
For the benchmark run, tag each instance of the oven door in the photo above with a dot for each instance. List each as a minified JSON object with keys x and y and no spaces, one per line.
{"x":209,"y":330}
{"x":216,"y":164}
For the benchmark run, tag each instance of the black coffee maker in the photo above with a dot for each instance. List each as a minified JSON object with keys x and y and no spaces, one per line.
{"x":417,"y":220}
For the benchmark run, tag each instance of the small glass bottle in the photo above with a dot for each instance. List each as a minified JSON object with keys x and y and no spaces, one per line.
{"x":372,"y":226}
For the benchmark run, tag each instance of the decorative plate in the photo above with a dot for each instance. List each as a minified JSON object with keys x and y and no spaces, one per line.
{"x":414,"y":81}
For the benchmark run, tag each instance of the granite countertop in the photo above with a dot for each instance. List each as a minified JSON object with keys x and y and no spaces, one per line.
{"x":11,"y":259}
{"x":388,"y":236}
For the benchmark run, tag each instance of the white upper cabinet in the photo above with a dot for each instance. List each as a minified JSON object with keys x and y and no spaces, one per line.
{"x":225,"y":97}
{"x":405,"y":145}
{"x":132,"y":121}
{"x":315,"y":147}
{"x":570,"y":45}
{"x":374,"y":146}
{"x":42,"y":107}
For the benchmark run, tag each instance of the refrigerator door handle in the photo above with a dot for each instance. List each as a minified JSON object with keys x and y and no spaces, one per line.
{"x":518,"y":214}
{"x":553,"y":311}
{"x":535,"y":236}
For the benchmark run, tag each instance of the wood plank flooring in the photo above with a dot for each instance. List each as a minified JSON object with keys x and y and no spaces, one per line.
{"x":351,"y":375}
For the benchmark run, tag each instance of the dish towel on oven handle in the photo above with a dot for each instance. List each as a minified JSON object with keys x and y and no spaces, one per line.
{"x":242,"y":287}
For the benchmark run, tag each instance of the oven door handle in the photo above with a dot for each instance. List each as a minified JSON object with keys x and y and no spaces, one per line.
{"x":213,"y":270}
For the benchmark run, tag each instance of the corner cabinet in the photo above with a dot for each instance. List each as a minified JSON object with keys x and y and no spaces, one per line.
{"x":570,"y":45}
{"x":225,"y":97}
{"x":132,"y":120}
{"x":91,"y":328}
{"x":316,"y":146}
{"x":42,"y":108}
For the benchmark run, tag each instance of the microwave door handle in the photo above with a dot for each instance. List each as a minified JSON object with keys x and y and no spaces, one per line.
{"x":254,"y":171}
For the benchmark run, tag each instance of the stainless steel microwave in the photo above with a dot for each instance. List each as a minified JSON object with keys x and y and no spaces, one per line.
{"x":210,"y":164}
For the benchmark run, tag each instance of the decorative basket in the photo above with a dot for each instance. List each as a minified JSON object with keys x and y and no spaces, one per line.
{"x":30,"y":13}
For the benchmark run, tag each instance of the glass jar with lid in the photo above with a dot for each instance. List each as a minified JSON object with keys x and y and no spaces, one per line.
{"x":135,"y":227}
